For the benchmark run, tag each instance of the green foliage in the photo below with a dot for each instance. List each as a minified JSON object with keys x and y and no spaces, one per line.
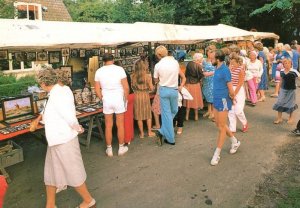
{"x":292,"y":199}
{"x":6,"y":9}
{"x":277,"y":4}
{"x":10,"y":86}
{"x":7,"y":79}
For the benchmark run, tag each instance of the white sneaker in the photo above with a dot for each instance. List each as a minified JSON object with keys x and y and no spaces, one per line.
{"x":109,"y":152}
{"x":122,"y":150}
{"x":234,"y":147}
{"x":215,"y":160}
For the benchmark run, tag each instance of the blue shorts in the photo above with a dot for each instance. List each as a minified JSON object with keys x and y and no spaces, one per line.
{"x":222,"y":104}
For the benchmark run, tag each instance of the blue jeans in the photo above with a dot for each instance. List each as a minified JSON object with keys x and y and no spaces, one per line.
{"x":169,"y":107}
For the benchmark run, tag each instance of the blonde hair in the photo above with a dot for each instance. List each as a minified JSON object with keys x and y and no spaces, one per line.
{"x":47,"y":76}
{"x":198,"y":57}
{"x":161,"y":51}
{"x":139,"y":75}
{"x":258,"y":45}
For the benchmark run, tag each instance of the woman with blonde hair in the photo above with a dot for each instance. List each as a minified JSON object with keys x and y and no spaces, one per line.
{"x":141,"y":85}
{"x":207,"y":81}
{"x":193,"y":76}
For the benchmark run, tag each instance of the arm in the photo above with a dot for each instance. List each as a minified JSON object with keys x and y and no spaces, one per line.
{"x":151,"y":87}
{"x":98,"y":90}
{"x":183,"y":80}
{"x":241,"y":81}
{"x":208,"y":74}
{"x":125,"y":87}
{"x":230,"y":89}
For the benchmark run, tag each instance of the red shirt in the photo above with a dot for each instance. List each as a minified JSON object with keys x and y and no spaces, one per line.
{"x":3,"y":188}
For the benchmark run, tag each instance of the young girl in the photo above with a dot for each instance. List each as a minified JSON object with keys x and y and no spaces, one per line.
{"x":286,"y":101}
{"x":141,"y":85}
{"x":237,"y":79}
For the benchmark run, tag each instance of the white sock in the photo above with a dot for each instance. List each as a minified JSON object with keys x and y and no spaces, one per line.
{"x":121,"y":145}
{"x":108,"y":146}
{"x":233,"y":140}
{"x":217,"y":151}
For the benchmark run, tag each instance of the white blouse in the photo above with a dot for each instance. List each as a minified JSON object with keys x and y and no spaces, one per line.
{"x":60,"y":116}
{"x":255,"y":68}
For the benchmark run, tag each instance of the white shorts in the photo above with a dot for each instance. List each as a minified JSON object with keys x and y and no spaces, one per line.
{"x":114,"y":104}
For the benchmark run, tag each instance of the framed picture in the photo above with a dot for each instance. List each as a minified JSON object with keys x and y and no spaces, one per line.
{"x":128,"y":51}
{"x":20,"y":56}
{"x":113,"y":51}
{"x":31,"y":56}
{"x":54,"y":57}
{"x":122,"y":52}
{"x":42,"y":56}
{"x":67,"y":72}
{"x":74,"y":53}
{"x":82,"y":53}
{"x":101,"y":51}
{"x":95,"y":51}
{"x":109,"y":50}
{"x":65,"y":51}
{"x":89,"y":53}
{"x":105,"y":50}
{"x":135,"y":51}
{"x":40,"y":105}
{"x":3,"y":54}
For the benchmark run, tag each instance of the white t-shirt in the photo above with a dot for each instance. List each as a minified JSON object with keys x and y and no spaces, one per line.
{"x":110,"y":77}
{"x":60,"y":116}
{"x":167,"y":70}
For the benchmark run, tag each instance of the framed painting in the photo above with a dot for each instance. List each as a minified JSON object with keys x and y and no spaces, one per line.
{"x":3,"y":54}
{"x":74,"y":53}
{"x":54,"y":57}
{"x":89,"y":53}
{"x":42,"y":56}
{"x":95,"y":51}
{"x":82,"y":53}
{"x":101,"y":51}
{"x":20,"y":56}
{"x":67,"y":72}
{"x":65,"y":51}
{"x":31,"y":56}
{"x":40,"y":105}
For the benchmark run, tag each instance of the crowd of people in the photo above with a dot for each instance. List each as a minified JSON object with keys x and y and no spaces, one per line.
{"x":224,"y":80}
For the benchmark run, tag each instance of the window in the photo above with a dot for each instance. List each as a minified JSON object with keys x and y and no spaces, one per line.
{"x":30,"y":11}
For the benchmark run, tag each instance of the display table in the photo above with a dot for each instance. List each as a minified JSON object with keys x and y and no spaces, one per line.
{"x":91,"y":117}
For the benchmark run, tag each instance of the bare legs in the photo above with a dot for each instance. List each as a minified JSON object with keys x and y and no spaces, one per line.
{"x":277,"y":88}
{"x":279,"y":118}
{"x":156,"y":120}
{"x":261,"y":95}
{"x":109,"y":125}
{"x":50,"y":192}
{"x":149,"y":124}
{"x":81,"y":190}
{"x":221,"y":122}
{"x":188,"y":113}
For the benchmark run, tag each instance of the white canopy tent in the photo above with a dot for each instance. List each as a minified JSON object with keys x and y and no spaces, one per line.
{"x":33,"y":35}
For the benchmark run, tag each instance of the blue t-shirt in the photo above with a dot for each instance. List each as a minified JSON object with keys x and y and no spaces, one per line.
{"x":295,"y":59}
{"x":221,"y":77}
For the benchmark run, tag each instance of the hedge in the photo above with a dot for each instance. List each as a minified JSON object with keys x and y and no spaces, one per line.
{"x":15,"y":89}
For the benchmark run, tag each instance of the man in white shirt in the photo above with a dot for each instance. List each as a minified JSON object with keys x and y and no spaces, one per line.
{"x":112,"y":88}
{"x":166,"y":73}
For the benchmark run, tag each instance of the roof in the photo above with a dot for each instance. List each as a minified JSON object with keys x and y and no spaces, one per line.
{"x":29,"y":34}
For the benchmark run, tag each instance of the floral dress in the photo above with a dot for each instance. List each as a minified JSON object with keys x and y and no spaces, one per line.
{"x":207,"y":88}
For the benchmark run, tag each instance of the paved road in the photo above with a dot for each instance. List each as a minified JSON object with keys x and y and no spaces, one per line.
{"x":163,"y":177}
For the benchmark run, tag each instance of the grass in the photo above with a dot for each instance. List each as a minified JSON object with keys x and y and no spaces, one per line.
{"x":292,"y":199}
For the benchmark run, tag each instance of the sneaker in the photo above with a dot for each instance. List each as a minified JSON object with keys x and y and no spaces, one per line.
{"x":109,"y":152}
{"x":215,"y":160}
{"x":234,"y":147}
{"x":245,"y":128}
{"x":296,"y":132}
{"x":122,"y":150}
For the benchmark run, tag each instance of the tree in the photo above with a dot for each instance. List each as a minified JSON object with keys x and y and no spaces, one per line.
{"x":6,"y":9}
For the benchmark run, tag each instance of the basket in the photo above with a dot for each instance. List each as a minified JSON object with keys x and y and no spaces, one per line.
{"x":13,"y":156}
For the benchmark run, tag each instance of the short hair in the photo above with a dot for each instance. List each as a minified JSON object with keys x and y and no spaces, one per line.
{"x":161,"y":51}
{"x":294,"y":42}
{"x":47,"y":76}
{"x":62,"y":77}
{"x":220,"y":55}
{"x":258,"y":45}
{"x":107,"y":57}
{"x":210,"y":48}
{"x":197,"y":57}
{"x":236,"y":57}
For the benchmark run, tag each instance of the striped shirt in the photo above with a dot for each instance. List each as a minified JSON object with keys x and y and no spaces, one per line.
{"x":235,"y":73}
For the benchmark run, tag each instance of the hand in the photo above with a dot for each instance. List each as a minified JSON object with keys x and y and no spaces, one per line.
{"x":78,"y":128}
{"x":180,"y":88}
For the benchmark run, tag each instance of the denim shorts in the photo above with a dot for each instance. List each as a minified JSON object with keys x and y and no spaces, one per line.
{"x":222,"y":104}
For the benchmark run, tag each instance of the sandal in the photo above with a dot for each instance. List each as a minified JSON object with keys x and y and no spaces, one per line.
{"x":179,"y":131}
{"x":205,"y":114}
{"x":92,"y":204}
{"x":152,"y":134}
{"x":141,"y":136}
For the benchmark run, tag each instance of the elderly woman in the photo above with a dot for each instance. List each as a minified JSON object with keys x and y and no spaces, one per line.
{"x":276,"y":67}
{"x":63,"y":166}
{"x":286,"y":101}
{"x":255,"y":68}
{"x":263,"y":84}
{"x":193,"y":76}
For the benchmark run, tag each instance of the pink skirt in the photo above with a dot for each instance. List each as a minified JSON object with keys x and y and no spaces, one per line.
{"x":156,"y":105}
{"x":195,"y":91}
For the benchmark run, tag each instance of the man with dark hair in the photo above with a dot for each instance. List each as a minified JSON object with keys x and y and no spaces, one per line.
{"x":111,"y":86}
{"x":223,"y":94}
